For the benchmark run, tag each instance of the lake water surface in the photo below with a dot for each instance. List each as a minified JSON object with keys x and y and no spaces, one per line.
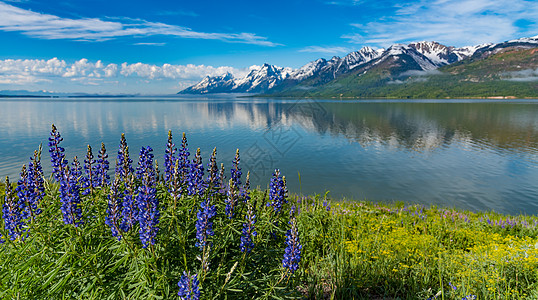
{"x":469,"y":154}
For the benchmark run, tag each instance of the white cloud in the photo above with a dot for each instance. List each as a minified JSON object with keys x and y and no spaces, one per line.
{"x":326,"y":49}
{"x":453,"y":22}
{"x":149,"y":44}
{"x":46,"y":26}
{"x":63,"y":76}
{"x":20,"y":79}
{"x":169,"y":71}
{"x":344,"y":2}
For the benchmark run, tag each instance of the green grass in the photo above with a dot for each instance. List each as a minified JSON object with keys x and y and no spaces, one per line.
{"x":354,"y":250}
{"x":363,"y":250}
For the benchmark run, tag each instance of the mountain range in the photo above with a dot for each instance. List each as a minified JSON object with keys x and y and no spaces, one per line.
{"x":421,"y":69}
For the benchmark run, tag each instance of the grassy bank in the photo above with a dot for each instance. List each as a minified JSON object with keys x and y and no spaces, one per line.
{"x":418,"y":253}
{"x":350,"y":250}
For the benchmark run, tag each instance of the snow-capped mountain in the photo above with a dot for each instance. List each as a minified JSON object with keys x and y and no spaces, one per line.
{"x":259,"y":79}
{"x":395,"y":60}
{"x":209,"y":85}
{"x":438,"y":54}
{"x":336,"y":65}
{"x":489,"y":49}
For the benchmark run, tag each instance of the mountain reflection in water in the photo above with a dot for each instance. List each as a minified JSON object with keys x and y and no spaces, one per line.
{"x":466,"y":153}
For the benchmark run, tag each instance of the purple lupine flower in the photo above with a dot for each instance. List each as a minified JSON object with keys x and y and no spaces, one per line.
{"x":70,"y":195}
{"x":236,"y":170}
{"x":35,"y":175}
{"x":24,"y":191}
{"x":174,"y":185}
{"x":12,"y":215}
{"x":195,"y":183}
{"x":327,"y":205}
{"x":90,"y":181}
{"x":293,"y":210}
{"x":231,"y":200}
{"x":213,"y":172}
{"x":148,"y":204}
{"x":249,"y":230}
{"x":277,"y":192}
{"x":113,"y":218}
{"x":204,"y":225}
{"x":188,"y":287}
{"x":157,"y":179}
{"x":30,"y":189}
{"x":103,"y":179}
{"x":245,"y":190}
{"x":129,"y":212}
{"x":222,"y":177}
{"x":184,"y":164}
{"x":145,"y":163}
{"x":123,"y":163}
{"x":57,"y":156}
{"x":169,"y":158}
{"x":292,"y":253}
{"x":76,"y":170}
{"x":452,"y":286}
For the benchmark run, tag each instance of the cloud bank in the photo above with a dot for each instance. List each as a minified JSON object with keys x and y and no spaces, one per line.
{"x":453,"y":22}
{"x":55,"y":72}
{"x":51,"y":27}
{"x":523,"y":75}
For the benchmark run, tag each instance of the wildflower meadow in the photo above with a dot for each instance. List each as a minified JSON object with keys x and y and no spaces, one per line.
{"x":125,"y":227}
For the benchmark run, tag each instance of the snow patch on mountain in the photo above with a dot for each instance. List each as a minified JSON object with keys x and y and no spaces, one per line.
{"x":308,"y":70}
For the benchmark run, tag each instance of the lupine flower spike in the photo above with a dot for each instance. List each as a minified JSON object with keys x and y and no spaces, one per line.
{"x":236,"y":170}
{"x":25,"y":194}
{"x":113,"y":218}
{"x":231,"y":199}
{"x":204,"y":223}
{"x":249,"y":230}
{"x":222,"y":177}
{"x":245,"y":191}
{"x":213,"y":172}
{"x":123,"y":164}
{"x":57,"y":156}
{"x":156,"y":171}
{"x":277,"y":192}
{"x":129,"y":212}
{"x":76,"y":170}
{"x":292,"y":254}
{"x":184,"y":164}
{"x":102,"y":167}
{"x":90,"y":168}
{"x":30,"y":189}
{"x":11,"y":214}
{"x":195,"y":183}
{"x":169,"y":158}
{"x":148,"y":204}
{"x":70,"y":195}
{"x":35,"y":175}
{"x":189,"y":287}
{"x":174,"y":185}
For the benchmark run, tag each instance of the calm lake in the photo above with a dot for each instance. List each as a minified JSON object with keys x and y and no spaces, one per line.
{"x":468,"y":154}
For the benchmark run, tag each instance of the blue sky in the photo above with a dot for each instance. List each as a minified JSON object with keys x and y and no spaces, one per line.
{"x":154,"y":47}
